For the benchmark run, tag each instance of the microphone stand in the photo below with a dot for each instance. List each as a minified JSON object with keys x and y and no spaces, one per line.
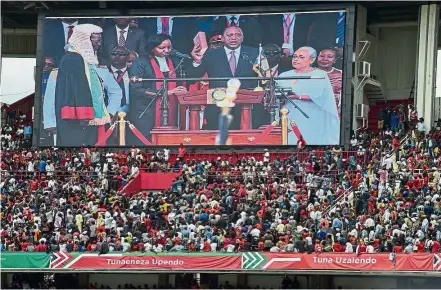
{"x":162,"y":91}
{"x":282,"y":93}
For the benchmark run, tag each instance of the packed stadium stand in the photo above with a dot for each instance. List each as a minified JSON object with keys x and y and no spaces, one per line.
{"x":365,"y":213}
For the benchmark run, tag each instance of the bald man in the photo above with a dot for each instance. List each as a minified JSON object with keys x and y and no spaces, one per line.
{"x":231,"y":60}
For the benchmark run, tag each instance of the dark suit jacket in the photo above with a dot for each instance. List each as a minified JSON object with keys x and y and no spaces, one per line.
{"x":135,"y":41}
{"x":183,"y":31}
{"x":317,"y":30}
{"x":249,"y":25}
{"x":215,"y":64}
{"x":54,"y":42}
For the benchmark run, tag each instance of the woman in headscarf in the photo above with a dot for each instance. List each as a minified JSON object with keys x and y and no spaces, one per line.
{"x":312,"y":92}
{"x":157,"y":64}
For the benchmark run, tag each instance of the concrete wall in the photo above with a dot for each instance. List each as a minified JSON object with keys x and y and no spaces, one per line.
{"x":392,"y":55}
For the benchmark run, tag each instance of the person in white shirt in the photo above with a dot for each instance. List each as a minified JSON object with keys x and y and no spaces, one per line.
{"x":369,"y":223}
{"x":421,"y":128}
{"x":166,"y":154}
{"x":30,"y":166}
{"x":349,"y":248}
{"x":370,"y":249}
{"x":118,"y":69}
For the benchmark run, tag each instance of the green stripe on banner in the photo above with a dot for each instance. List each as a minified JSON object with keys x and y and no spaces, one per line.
{"x":24,"y":260}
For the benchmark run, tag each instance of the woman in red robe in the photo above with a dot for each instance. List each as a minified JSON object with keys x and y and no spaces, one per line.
{"x":158,"y":64}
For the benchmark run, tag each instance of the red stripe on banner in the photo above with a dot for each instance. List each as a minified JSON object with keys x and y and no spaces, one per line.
{"x":158,"y":262}
{"x":77,"y":113}
{"x":348,"y":261}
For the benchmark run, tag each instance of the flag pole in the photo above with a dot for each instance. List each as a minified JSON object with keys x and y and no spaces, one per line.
{"x":259,"y":61}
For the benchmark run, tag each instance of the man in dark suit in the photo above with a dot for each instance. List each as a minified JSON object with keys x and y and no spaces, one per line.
{"x":294,"y":30}
{"x":122,"y":34}
{"x":249,"y":25}
{"x":57,"y":33}
{"x":232,"y":60}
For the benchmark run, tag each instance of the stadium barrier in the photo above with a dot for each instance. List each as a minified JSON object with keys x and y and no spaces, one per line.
{"x":221,"y":261}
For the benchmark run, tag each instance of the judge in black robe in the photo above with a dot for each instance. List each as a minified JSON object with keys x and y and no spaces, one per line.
{"x":73,"y":104}
{"x":74,"y":107}
{"x":144,"y":112}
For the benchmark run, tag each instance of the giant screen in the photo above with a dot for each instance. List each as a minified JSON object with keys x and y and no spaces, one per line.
{"x":149,"y":81}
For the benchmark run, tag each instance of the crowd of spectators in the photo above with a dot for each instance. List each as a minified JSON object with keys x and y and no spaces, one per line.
{"x":383,"y":196}
{"x":16,"y":131}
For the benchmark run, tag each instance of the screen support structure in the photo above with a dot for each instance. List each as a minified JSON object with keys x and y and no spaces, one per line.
{"x":38,"y":110}
{"x":347,"y":108}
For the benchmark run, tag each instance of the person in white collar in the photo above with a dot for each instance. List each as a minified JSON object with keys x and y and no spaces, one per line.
{"x":118,"y":69}
{"x":157,"y":64}
{"x":58,"y":31}
{"x":232,"y":60}
{"x":122,"y":34}
{"x":68,"y":26}
{"x":248,"y":24}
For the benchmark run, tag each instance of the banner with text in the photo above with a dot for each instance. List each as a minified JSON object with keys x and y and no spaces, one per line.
{"x":224,"y":261}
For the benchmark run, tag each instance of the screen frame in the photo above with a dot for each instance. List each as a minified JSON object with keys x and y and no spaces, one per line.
{"x":348,"y":50}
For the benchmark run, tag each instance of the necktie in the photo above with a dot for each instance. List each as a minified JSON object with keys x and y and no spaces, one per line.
{"x":121,"y":85}
{"x":233,"y":21}
{"x":287,"y":27}
{"x":69,"y":32}
{"x":165,"y":27}
{"x":233,"y":62}
{"x":122,"y":40}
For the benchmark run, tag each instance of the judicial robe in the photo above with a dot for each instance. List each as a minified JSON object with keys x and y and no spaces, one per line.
{"x":139,"y":101}
{"x":73,"y":103}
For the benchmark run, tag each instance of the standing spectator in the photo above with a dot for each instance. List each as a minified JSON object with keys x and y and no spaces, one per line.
{"x":413,"y":116}
{"x":28,"y":131}
{"x":421,"y":129}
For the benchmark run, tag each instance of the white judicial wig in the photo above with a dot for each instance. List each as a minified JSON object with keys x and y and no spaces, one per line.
{"x":80,"y":41}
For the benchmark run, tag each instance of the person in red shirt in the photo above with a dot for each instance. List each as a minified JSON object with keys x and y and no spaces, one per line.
{"x":260,"y":245}
{"x":420,"y":246}
{"x":396,"y":147}
{"x":301,"y":143}
{"x":34,"y":184}
{"x":398,"y":248}
{"x":24,"y":245}
{"x":181,"y":151}
{"x":41,"y":247}
{"x":337,"y":247}
{"x":435,"y":246}
{"x":318,"y":248}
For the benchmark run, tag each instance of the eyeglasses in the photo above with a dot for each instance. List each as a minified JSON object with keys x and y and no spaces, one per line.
{"x":117,"y":53}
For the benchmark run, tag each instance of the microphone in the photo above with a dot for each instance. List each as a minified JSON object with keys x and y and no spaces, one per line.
{"x":176,"y":53}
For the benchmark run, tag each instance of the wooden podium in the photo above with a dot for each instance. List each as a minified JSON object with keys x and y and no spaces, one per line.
{"x":195,"y":136}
